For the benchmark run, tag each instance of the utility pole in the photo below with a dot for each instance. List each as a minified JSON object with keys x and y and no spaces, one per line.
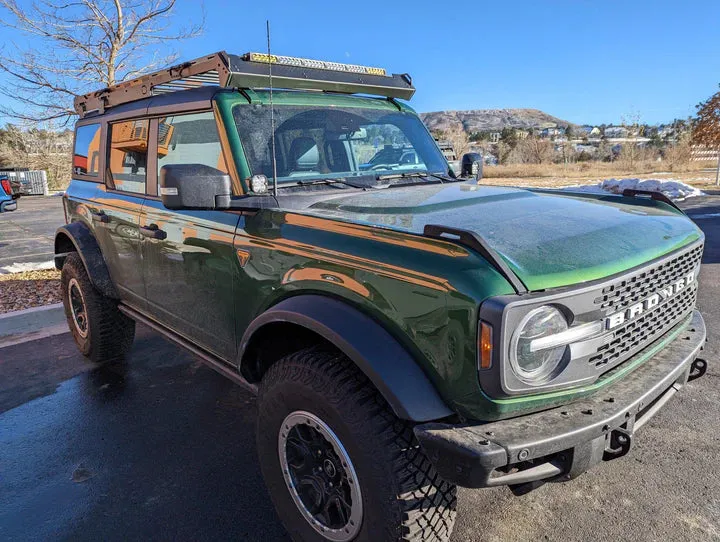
{"x":717,"y":173}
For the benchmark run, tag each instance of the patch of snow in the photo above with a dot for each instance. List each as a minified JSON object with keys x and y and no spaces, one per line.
{"x":30,"y":266}
{"x":672,"y":188}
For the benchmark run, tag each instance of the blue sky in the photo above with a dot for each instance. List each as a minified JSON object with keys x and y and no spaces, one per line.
{"x":581,"y":60}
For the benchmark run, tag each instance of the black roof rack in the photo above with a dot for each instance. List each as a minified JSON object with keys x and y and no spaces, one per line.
{"x":251,"y":70}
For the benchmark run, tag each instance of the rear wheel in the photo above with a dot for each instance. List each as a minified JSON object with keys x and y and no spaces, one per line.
{"x":338,"y":463}
{"x":101,"y":331}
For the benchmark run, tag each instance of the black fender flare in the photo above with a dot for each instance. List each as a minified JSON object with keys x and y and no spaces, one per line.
{"x":388,"y":365}
{"x":87,"y":247}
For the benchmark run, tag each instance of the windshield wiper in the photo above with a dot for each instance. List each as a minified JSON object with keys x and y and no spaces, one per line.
{"x":319,"y":182}
{"x":415,"y":174}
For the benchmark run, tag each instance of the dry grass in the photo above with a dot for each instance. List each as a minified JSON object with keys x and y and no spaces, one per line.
{"x":595,"y":170}
{"x":30,"y":289}
{"x":699,"y":174}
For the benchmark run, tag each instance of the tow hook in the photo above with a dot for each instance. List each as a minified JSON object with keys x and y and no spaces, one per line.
{"x":697,"y":369}
{"x":620,"y":443}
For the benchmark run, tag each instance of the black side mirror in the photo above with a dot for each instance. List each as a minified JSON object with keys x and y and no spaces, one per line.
{"x":472,"y":165}
{"x":194,"y":186}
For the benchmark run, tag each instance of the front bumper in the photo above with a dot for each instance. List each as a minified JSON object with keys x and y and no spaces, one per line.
{"x":563,"y":442}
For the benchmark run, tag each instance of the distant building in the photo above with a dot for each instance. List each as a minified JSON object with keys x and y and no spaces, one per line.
{"x":553,"y":132}
{"x":616,"y":131}
{"x":590,"y":149}
{"x":590,"y":131}
{"x":495,"y":137}
{"x":665,"y":131}
{"x":651,"y":131}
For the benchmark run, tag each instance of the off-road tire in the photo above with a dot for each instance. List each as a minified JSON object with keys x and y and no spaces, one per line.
{"x":110,"y":333}
{"x":403,"y":497}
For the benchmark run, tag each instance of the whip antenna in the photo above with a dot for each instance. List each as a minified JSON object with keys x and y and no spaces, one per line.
{"x":272,"y":112}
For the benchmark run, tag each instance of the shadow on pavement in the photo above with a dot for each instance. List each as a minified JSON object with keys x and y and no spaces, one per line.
{"x":157,"y":448}
{"x":706,"y":214}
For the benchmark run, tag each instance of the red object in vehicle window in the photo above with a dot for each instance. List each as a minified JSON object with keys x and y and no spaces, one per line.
{"x":5,"y":182}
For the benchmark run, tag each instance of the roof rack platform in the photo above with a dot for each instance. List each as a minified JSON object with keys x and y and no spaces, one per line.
{"x":251,"y":70}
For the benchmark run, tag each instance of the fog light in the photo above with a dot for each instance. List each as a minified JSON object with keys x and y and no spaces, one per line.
{"x":259,"y":184}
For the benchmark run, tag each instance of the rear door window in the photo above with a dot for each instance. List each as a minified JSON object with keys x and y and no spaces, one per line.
{"x":127,"y":168}
{"x":86,"y":155}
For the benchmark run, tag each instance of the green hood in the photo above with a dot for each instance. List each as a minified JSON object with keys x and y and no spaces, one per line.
{"x":548,"y":239}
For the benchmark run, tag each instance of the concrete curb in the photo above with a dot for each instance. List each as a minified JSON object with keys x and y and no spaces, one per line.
{"x":32,"y":320}
{"x":24,"y":267}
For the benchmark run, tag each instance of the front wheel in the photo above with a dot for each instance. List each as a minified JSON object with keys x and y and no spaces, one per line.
{"x":339,"y":465}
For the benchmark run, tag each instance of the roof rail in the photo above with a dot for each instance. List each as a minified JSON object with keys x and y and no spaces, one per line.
{"x":251,"y":70}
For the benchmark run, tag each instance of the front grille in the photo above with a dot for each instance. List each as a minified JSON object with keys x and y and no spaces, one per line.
{"x":633,"y":336}
{"x":639,"y":333}
{"x":622,"y":294}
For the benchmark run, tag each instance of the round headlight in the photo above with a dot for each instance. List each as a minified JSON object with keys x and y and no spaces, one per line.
{"x":536,"y":367}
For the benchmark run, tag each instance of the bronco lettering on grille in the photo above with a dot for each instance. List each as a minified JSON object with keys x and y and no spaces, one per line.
{"x":633,"y":311}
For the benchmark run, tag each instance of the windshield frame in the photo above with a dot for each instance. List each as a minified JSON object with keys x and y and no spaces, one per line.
{"x":351,"y":105}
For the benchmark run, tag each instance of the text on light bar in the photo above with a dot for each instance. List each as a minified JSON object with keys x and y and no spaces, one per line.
{"x":316,"y":64}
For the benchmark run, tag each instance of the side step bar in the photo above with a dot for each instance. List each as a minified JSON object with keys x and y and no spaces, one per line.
{"x":206,"y":357}
{"x":474,"y":242}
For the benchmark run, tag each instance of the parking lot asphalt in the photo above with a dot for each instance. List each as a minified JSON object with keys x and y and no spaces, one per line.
{"x":27,"y":234}
{"x":162,"y":448}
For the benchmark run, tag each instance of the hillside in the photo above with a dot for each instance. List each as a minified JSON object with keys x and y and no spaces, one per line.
{"x":484,"y":120}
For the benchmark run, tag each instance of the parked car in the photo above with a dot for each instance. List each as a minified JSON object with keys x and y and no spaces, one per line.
{"x":407,"y":331}
{"x":8,"y":196}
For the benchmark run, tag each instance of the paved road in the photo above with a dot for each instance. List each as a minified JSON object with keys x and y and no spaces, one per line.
{"x":27,"y":235}
{"x":162,"y":448}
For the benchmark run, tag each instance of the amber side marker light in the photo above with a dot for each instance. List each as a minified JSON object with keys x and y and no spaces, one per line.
{"x":485,"y":345}
{"x":243,"y":256}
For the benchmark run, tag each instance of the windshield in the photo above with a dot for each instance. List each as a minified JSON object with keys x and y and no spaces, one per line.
{"x":335,"y":142}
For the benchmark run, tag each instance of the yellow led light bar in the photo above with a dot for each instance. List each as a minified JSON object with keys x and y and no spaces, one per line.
{"x":315,"y":64}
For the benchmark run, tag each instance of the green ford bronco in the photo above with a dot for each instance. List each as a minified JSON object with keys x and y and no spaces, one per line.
{"x":294,"y":225}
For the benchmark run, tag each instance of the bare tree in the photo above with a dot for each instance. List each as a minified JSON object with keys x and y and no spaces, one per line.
{"x":532,"y":150}
{"x":677,"y":155}
{"x":567,"y":153}
{"x":458,"y":138}
{"x":504,"y":152}
{"x":35,"y":148}
{"x":632,"y":123}
{"x":76,"y":46}
{"x":706,"y":129}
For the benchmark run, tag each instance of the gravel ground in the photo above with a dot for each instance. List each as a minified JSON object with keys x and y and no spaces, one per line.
{"x":30,"y":289}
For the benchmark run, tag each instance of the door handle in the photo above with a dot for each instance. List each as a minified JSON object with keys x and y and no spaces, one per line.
{"x":100,"y":217}
{"x":153,"y":232}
